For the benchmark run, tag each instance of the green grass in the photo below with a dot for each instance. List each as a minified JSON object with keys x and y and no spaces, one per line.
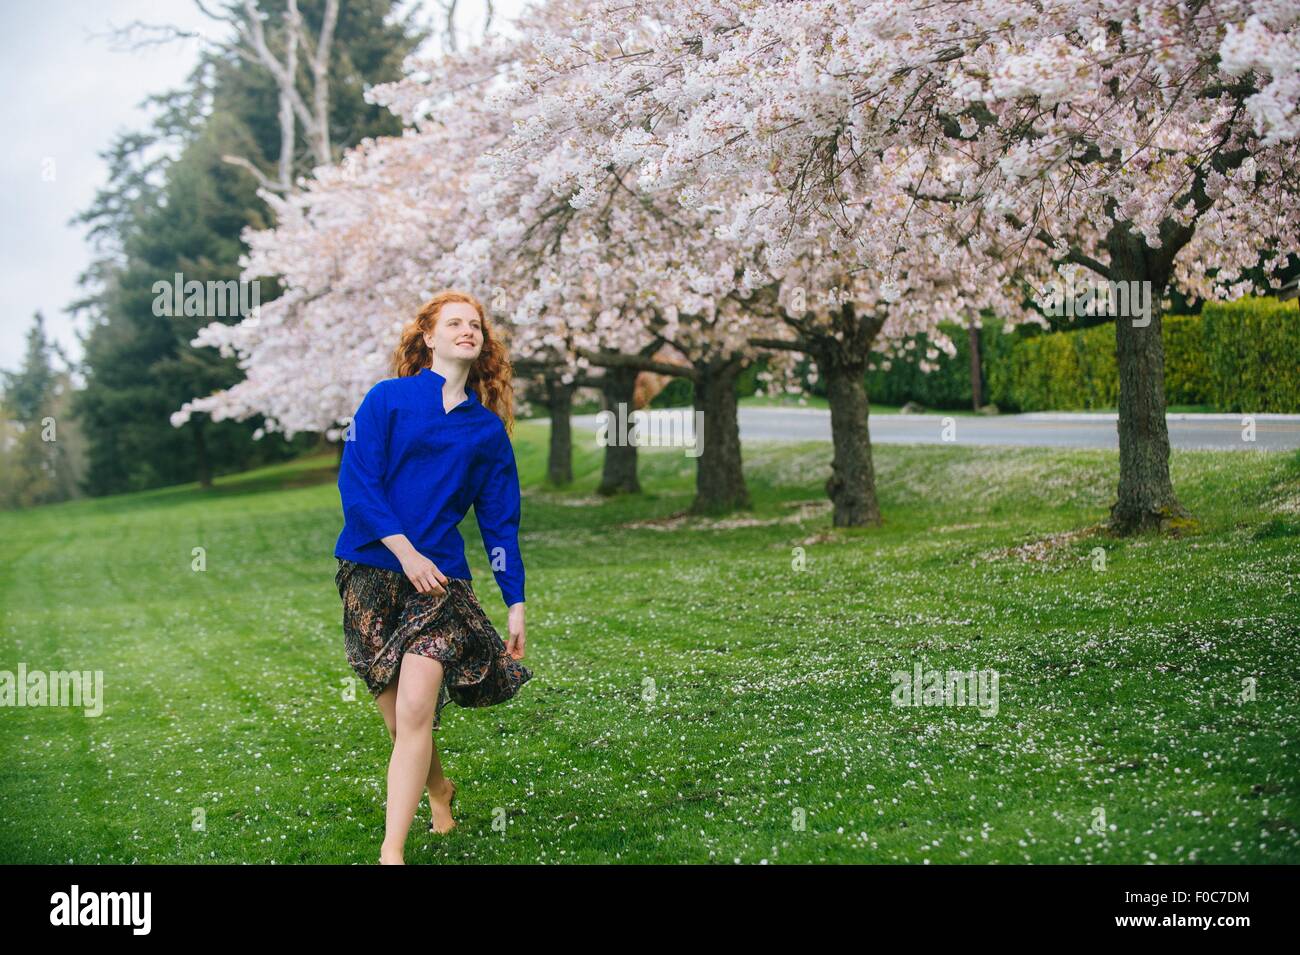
{"x":695,"y":695}
{"x":795,"y":401}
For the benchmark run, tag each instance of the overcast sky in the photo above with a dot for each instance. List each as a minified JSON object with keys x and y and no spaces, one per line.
{"x":67,"y":91}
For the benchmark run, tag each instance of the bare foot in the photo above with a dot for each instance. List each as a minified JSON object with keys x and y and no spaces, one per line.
{"x":440,"y":799}
{"x":390,"y":856}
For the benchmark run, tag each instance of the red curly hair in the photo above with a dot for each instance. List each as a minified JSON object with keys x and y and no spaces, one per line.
{"x":491,"y":374}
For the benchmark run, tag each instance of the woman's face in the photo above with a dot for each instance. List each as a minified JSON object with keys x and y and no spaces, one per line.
{"x":458,"y":333}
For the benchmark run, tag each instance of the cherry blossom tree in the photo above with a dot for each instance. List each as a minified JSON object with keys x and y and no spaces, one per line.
{"x":848,"y":284}
{"x":1151,"y":145}
{"x":608,"y":284}
{"x":616,"y":283}
{"x":846,"y":309}
{"x":1145,"y":141}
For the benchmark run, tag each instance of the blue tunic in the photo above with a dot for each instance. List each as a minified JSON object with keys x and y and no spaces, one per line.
{"x":410,"y":467}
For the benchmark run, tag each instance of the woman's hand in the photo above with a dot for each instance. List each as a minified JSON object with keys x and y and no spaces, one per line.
{"x":424,"y":574}
{"x":515,"y":645}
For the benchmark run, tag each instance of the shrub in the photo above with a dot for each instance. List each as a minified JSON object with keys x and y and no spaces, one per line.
{"x":948,"y":386}
{"x":1252,"y":351}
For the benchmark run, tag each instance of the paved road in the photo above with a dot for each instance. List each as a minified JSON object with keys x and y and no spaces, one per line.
{"x":1083,"y":430}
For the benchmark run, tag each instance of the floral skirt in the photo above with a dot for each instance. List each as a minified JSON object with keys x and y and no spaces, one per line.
{"x":384,"y":617}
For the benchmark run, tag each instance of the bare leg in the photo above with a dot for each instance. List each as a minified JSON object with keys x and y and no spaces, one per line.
{"x":408,"y":768}
{"x":436,"y":784}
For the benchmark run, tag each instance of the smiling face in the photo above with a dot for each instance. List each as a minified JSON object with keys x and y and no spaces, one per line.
{"x":458,"y":333}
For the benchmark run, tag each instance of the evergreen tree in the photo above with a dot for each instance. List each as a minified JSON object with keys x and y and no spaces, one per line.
{"x":39,"y":446}
{"x":175,"y":204}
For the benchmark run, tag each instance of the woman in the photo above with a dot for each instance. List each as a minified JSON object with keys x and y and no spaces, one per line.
{"x":422,"y":448}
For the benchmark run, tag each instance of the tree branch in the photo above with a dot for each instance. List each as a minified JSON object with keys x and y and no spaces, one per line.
{"x":603,"y":359}
{"x":780,"y":344}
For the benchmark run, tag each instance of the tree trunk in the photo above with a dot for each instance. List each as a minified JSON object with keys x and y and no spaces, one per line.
{"x":976,"y":370}
{"x":719,"y":477}
{"x":852,"y":484}
{"x":559,"y":462}
{"x":619,"y":474}
{"x":1146,"y":499}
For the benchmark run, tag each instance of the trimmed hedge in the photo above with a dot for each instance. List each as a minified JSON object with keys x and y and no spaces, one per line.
{"x":1068,"y":371}
{"x":1252,"y":352}
{"x":1235,"y":356}
{"x":1057,"y":371}
{"x":1187,"y":366}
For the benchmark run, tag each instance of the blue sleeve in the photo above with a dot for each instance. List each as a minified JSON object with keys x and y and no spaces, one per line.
{"x":497,"y":509}
{"x":361,"y":472}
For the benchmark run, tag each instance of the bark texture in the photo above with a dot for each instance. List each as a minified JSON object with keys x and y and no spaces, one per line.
{"x":1145,"y":498}
{"x":719,"y":477}
{"x":618,"y":475}
{"x":852,"y":484}
{"x":559,"y":459}
{"x":842,"y":362}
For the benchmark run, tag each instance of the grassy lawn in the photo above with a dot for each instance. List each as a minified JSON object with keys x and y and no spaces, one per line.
{"x":696,"y":698}
{"x":794,"y":401}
